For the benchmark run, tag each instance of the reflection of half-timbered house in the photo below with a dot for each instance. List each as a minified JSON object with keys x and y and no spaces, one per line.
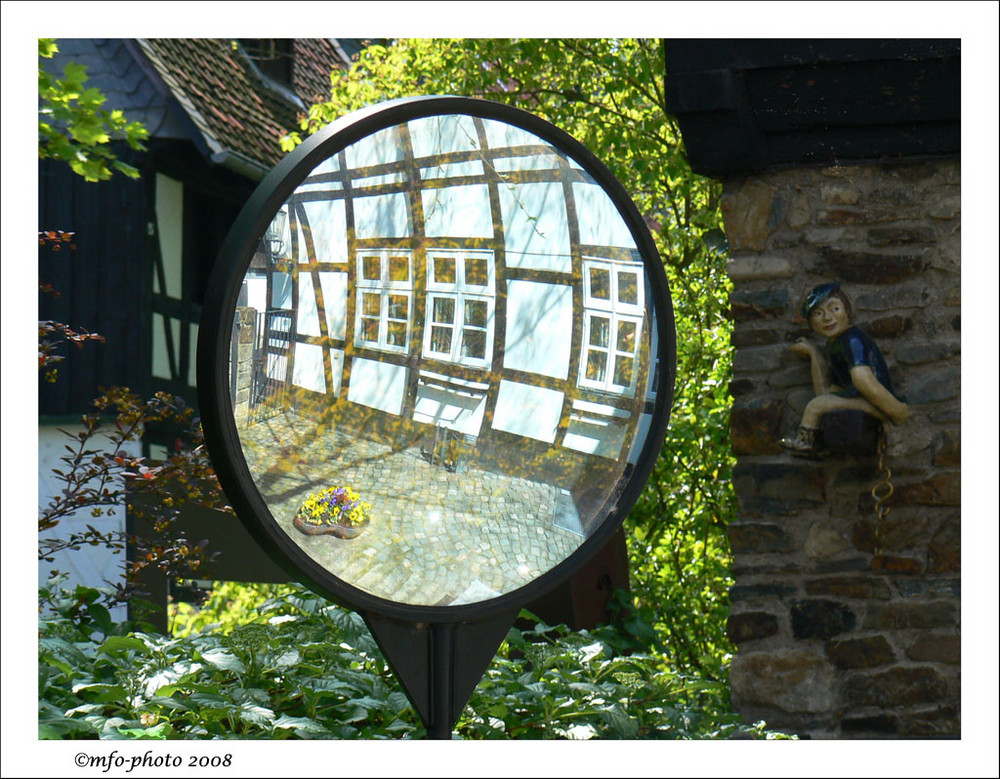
{"x":460,"y":278}
{"x":141,"y":251}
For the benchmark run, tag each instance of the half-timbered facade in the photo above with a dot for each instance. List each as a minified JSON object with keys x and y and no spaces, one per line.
{"x":460,"y":276}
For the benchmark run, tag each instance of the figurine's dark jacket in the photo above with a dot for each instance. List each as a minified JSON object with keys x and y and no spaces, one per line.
{"x":851,"y":348}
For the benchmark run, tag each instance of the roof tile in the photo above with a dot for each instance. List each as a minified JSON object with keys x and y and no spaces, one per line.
{"x":227,"y":98}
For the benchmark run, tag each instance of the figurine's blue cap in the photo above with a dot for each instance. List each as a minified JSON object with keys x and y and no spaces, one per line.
{"x":816,"y":296}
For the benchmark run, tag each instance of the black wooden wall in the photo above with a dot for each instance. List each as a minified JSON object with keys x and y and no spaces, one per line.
{"x":100,"y":283}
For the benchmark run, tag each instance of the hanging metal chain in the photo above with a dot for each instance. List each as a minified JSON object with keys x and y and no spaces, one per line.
{"x":881,"y":492}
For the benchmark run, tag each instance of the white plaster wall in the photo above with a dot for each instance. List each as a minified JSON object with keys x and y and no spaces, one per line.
{"x":527,"y":410}
{"x":599,"y":221}
{"x":539,"y":328}
{"x":328,"y":227}
{"x":383,"y":216}
{"x":536,"y":231}
{"x":377,"y":384}
{"x":460,"y":212}
{"x":307,"y":372}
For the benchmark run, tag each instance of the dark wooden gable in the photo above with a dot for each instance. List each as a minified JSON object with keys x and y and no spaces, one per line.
{"x":750,"y":105}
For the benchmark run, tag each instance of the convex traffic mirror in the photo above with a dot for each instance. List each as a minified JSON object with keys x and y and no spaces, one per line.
{"x":436,"y":359}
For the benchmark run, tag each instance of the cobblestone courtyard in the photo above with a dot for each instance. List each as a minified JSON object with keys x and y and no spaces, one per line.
{"x":436,"y":537}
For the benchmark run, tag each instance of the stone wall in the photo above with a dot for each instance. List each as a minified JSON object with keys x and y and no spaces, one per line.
{"x":242,"y":355}
{"x":833,"y":640}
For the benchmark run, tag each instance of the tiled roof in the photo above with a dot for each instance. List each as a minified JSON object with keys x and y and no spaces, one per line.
{"x":237,"y":111}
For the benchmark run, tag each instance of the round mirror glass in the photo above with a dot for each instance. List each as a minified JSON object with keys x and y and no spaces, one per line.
{"x":444,"y":360}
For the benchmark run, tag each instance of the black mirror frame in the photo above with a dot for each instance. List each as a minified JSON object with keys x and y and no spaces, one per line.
{"x":215,"y":333}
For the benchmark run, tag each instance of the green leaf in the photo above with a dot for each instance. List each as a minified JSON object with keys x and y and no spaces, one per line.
{"x":223,"y":660}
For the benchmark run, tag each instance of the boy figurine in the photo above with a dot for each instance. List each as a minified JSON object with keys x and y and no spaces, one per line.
{"x":856,"y":376}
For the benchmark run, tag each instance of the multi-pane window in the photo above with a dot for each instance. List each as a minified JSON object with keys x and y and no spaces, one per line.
{"x":613,"y":296}
{"x":384,"y":299}
{"x":460,"y":306}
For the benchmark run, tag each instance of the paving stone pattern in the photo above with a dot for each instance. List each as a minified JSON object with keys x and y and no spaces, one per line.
{"x":435,"y":537}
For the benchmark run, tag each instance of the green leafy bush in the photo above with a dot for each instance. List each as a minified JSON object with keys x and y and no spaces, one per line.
{"x":301,"y":668}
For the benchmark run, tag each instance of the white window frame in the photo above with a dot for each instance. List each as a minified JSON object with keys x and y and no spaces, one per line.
{"x":460,"y":292}
{"x":616,"y":312}
{"x":383,"y":287}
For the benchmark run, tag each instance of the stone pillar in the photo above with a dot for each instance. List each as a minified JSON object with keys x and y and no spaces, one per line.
{"x":242,"y":357}
{"x":832,"y":640}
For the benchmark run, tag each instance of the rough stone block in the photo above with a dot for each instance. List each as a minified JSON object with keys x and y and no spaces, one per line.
{"x":756,"y":267}
{"x":941,"y":489}
{"x":824,"y":541}
{"x":897,"y":687}
{"x":755,"y":426}
{"x":747,"y":211}
{"x":877,"y":724}
{"x":862,"y":587}
{"x":929,"y":588}
{"x":925,"y":351}
{"x":943,"y":722}
{"x":854,"y":267}
{"x":740,"y":387}
{"x":910,"y":615}
{"x":896,"y":565}
{"x":867,"y":652}
{"x":855,"y":216}
{"x":888,"y":326}
{"x":791,"y":481}
{"x":899,"y":236}
{"x":849,"y":565}
{"x":839,"y":194}
{"x":746,"y":305}
{"x":948,"y":449}
{"x":796,"y":376}
{"x":756,"y":336}
{"x":936,"y":648}
{"x":790,"y":680}
{"x":743,"y":592}
{"x":934,"y":386}
{"x":945,"y":208}
{"x":758,"y":360}
{"x":944,"y":553}
{"x":946,"y":415}
{"x":893,"y":299}
{"x":821,"y":619}
{"x":751,"y":626}
{"x":898,"y":532}
{"x":799,"y":212}
{"x":759,"y":538}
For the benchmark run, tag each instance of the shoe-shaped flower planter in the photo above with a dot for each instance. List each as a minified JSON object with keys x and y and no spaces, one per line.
{"x":324,"y":529}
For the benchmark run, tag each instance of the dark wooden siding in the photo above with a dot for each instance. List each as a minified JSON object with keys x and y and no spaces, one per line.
{"x":100,"y":283}
{"x":752,"y":105}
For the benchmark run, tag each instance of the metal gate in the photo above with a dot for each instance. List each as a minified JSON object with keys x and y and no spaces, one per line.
{"x":269,"y":377}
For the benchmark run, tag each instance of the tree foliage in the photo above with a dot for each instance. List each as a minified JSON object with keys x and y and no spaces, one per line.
{"x":75,"y":128}
{"x":609,"y":95}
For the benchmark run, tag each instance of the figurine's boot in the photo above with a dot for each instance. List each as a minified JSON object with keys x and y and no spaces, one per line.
{"x":806,"y":441}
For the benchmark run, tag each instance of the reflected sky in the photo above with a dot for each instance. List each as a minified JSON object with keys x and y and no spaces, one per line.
{"x":451,"y":318}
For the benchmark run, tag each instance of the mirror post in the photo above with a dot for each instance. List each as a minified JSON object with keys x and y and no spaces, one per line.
{"x":442,"y":681}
